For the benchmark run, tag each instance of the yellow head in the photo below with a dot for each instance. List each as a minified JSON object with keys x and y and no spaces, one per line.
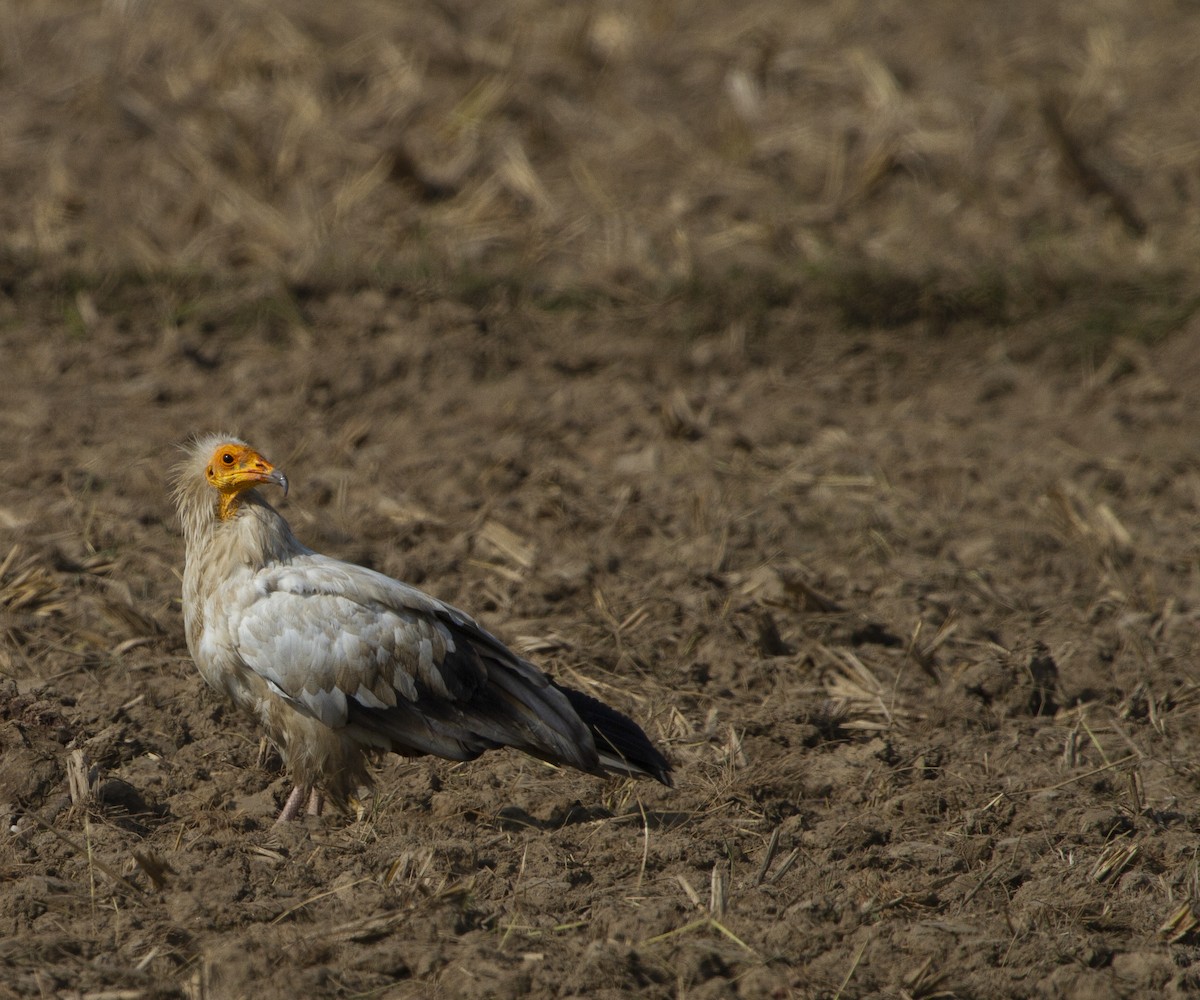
{"x":234,"y":468}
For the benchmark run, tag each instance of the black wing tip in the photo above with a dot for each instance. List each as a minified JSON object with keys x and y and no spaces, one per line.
{"x":620,"y":739}
{"x":660,"y":772}
{"x":648,"y":763}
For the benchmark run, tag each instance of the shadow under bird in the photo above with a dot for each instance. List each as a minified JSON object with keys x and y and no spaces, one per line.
{"x":335,"y":659}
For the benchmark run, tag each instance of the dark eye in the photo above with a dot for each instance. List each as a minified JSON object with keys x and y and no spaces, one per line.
{"x":227,"y":458}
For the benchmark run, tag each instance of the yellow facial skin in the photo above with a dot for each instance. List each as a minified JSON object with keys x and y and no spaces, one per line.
{"x":233,"y":469}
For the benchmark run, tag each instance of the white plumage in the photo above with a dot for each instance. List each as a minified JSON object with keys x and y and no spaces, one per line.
{"x":334,"y":659}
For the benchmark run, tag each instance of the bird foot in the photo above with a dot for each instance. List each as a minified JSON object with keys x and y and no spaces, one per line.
{"x":293,"y":805}
{"x":296,"y":801}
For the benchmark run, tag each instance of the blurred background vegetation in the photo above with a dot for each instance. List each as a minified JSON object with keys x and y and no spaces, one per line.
{"x":703,"y":163}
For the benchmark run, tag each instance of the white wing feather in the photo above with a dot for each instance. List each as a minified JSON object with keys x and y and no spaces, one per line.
{"x":321,"y":631}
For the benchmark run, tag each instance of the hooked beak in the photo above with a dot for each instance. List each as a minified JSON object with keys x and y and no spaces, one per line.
{"x":249,"y":469}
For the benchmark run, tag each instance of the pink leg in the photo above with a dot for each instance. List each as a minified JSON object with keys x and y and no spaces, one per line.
{"x":291,"y":808}
{"x":316,"y":803}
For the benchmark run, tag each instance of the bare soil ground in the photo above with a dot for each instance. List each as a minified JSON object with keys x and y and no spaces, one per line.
{"x":813,"y":381}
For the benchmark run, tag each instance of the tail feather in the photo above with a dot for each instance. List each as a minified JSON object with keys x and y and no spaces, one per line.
{"x":620,"y":742}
